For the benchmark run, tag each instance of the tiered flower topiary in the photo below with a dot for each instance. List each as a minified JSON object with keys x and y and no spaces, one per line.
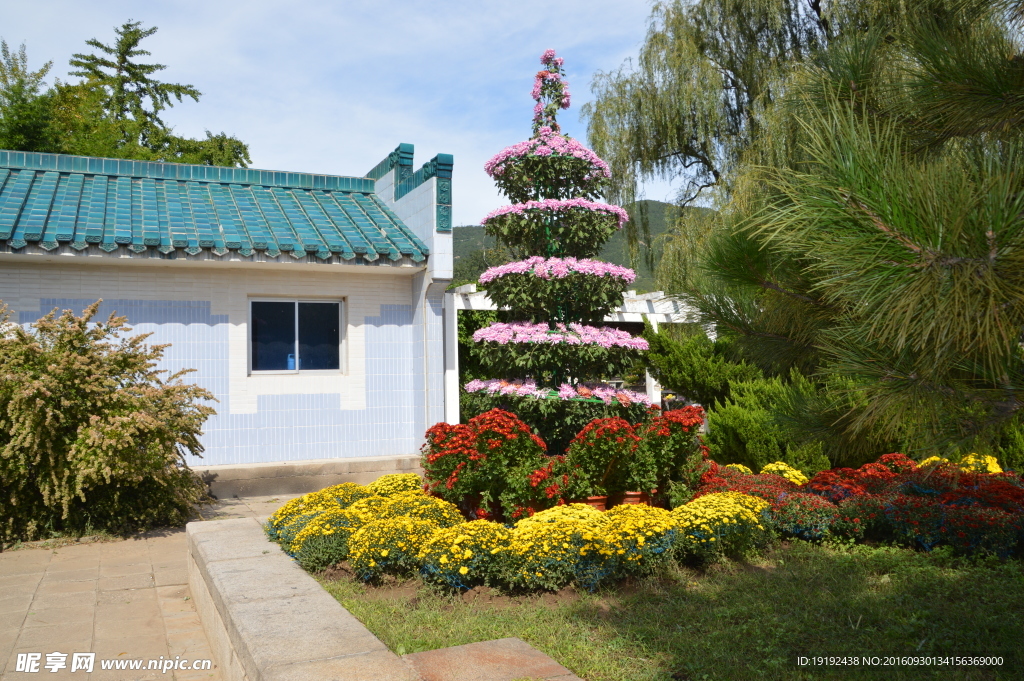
{"x":548,"y":359}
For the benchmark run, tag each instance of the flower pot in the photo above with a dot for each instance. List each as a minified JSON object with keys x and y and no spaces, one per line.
{"x":600,"y":503}
{"x":651,"y":499}
{"x":634,"y":498}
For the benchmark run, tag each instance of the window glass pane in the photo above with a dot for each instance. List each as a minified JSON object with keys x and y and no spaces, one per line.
{"x":273,"y":336}
{"x":319,"y":336}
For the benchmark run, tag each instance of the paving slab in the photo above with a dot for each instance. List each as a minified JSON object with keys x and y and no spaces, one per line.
{"x":119,"y":599}
{"x":504,"y":659}
{"x":132,"y":600}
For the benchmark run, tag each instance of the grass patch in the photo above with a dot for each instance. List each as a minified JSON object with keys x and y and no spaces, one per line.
{"x":739,"y":620}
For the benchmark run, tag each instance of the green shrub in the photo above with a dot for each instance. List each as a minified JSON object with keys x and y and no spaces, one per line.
{"x":92,"y":436}
{"x":322,"y":551}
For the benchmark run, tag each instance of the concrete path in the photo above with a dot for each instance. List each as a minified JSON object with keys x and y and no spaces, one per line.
{"x":122,"y":600}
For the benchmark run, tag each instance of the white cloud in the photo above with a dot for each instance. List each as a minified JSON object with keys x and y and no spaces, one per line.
{"x":333,"y":87}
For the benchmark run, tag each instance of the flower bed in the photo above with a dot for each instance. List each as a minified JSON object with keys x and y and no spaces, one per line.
{"x":411,"y":532}
{"x":495,"y":510}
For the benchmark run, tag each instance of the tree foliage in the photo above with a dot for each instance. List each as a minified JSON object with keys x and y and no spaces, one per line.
{"x":867,"y":226}
{"x":25,"y":112}
{"x":114,"y":111}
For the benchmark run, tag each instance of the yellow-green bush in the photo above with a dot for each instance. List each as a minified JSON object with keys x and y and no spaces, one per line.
{"x":972,"y":463}
{"x":388,"y":546}
{"x":785,"y":470}
{"x":725,"y":523}
{"x":395,"y":483}
{"x":347,"y":493}
{"x":93,"y":435}
{"x":465,"y":555}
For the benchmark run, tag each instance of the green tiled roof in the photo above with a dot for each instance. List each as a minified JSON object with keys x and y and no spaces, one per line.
{"x":51,"y":200}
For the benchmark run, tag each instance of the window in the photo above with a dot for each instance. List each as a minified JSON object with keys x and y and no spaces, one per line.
{"x":295,"y":335}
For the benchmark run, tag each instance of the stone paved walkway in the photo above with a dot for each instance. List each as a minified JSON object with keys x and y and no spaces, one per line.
{"x":121,"y":600}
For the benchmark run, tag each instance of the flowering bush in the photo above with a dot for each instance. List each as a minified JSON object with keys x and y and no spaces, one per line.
{"x":558,"y":421}
{"x":593,"y":392}
{"x":474,"y":464}
{"x":582,"y":206}
{"x":972,"y":463}
{"x":395,"y":483}
{"x":508,"y":167}
{"x":388,"y":546}
{"x":863,"y":517}
{"x":574,"y":334}
{"x":583,"y":513}
{"x":325,"y":538}
{"x":415,"y":504}
{"x":928,"y":504}
{"x":724,"y":523}
{"x":803,"y":515}
{"x":334,"y":521}
{"x":785,"y":470}
{"x":606,"y":454}
{"x":556,"y":290}
{"x":586,"y":290}
{"x":640,"y":537}
{"x":766,"y":486}
{"x":285,"y":523}
{"x":897,"y":463}
{"x":465,"y":555}
{"x":673,"y":446}
{"x":559,"y":549}
{"x":740,"y":468}
{"x":559,"y":268}
{"x":836,"y":484}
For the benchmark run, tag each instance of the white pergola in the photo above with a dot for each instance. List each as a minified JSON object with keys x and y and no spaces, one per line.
{"x":655,"y":308}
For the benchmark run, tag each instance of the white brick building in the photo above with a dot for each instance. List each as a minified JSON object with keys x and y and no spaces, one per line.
{"x":311,"y":306}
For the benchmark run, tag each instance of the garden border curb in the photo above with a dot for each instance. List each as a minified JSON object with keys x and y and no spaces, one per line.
{"x":267,"y":619}
{"x":257,"y":606}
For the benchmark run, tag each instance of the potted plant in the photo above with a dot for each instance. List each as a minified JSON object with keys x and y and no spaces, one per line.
{"x":603,"y":454}
{"x":671,"y":445}
{"x":477,"y":465}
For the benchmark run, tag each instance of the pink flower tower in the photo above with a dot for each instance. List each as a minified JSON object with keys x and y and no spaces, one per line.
{"x":548,"y":363}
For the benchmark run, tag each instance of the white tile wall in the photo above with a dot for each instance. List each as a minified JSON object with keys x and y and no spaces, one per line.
{"x":374,"y":408}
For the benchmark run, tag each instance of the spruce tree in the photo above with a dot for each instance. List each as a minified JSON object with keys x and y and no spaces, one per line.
{"x":547,"y":362}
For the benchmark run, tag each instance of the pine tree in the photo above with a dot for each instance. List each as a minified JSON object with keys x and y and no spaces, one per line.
{"x":547,"y":361}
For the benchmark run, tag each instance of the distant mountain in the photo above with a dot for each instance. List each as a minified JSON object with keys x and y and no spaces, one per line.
{"x":474,"y":251}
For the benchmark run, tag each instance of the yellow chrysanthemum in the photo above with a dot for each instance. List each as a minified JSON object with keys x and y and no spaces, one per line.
{"x":785,"y":470}
{"x":395,"y":483}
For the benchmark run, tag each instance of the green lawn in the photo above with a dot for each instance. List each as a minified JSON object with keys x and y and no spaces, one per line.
{"x":739,"y":621}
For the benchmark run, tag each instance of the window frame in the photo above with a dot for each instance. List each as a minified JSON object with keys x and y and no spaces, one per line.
{"x":342,"y":360}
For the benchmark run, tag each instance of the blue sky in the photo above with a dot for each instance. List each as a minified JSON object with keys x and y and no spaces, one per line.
{"x":332,"y":87}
